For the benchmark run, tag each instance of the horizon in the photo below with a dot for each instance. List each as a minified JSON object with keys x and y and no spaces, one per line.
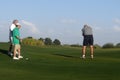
{"x":62,"y":19}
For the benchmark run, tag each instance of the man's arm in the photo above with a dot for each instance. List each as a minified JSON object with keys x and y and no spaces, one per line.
{"x":17,"y":37}
{"x":83,"y":32}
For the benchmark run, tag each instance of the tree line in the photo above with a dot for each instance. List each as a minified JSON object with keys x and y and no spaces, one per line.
{"x":111,"y":45}
{"x":48,"y":41}
{"x":40,"y":42}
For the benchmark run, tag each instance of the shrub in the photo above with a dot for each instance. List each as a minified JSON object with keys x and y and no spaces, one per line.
{"x":75,"y":45}
{"x":108,"y":45}
{"x":97,"y":46}
{"x":32,"y":42}
{"x":48,"y":41}
{"x":118,"y":45}
{"x":56,"y":42}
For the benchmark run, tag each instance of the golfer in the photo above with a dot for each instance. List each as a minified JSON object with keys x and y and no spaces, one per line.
{"x":16,"y":42}
{"x":88,"y":40}
{"x":11,"y":36}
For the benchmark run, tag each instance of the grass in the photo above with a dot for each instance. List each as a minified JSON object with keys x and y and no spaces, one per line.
{"x":59,"y":63}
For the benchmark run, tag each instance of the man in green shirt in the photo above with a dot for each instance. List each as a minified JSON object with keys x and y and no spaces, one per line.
{"x":16,"y":42}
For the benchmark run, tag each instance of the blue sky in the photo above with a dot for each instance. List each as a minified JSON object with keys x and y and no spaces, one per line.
{"x":62,"y":19}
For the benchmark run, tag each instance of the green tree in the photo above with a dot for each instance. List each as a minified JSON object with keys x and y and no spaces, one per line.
{"x":30,"y":37}
{"x":108,"y":45}
{"x":56,"y":42}
{"x":118,"y":45}
{"x":41,"y":39}
{"x":48,"y":41}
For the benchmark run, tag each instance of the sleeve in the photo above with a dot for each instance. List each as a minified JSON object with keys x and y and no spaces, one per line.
{"x":12,"y":27}
{"x":14,"y":33}
{"x":83,"y":32}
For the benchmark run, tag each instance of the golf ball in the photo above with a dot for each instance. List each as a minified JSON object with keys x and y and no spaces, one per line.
{"x":27,"y":58}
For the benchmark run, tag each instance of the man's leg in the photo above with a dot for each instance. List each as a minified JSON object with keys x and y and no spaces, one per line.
{"x":83,"y":51}
{"x":19,"y":52}
{"x":92,"y":51}
{"x":10,"y":50}
{"x":14,"y":55}
{"x":91,"y":46}
{"x":11,"y":45}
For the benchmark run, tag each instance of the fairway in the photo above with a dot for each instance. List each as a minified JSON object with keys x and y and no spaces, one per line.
{"x":59,"y":63}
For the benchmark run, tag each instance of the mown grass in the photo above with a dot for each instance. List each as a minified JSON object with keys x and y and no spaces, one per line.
{"x":59,"y":63}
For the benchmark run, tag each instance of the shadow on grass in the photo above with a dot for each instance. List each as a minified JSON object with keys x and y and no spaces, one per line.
{"x":2,"y":51}
{"x":67,"y":56}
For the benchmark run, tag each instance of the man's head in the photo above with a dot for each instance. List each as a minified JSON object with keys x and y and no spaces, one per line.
{"x":85,"y":25}
{"x":18,"y":25}
{"x":15,"y":21}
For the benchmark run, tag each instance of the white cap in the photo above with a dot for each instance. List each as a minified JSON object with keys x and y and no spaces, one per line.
{"x":18,"y":24}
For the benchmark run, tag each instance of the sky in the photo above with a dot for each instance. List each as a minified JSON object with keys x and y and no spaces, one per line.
{"x":62,"y":19}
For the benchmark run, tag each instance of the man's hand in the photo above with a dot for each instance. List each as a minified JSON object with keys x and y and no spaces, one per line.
{"x":20,"y":40}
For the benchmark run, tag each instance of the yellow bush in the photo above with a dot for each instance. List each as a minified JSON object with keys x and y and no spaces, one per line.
{"x":32,"y":42}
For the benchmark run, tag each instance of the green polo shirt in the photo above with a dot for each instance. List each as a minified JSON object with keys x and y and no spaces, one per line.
{"x":16,"y":34}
